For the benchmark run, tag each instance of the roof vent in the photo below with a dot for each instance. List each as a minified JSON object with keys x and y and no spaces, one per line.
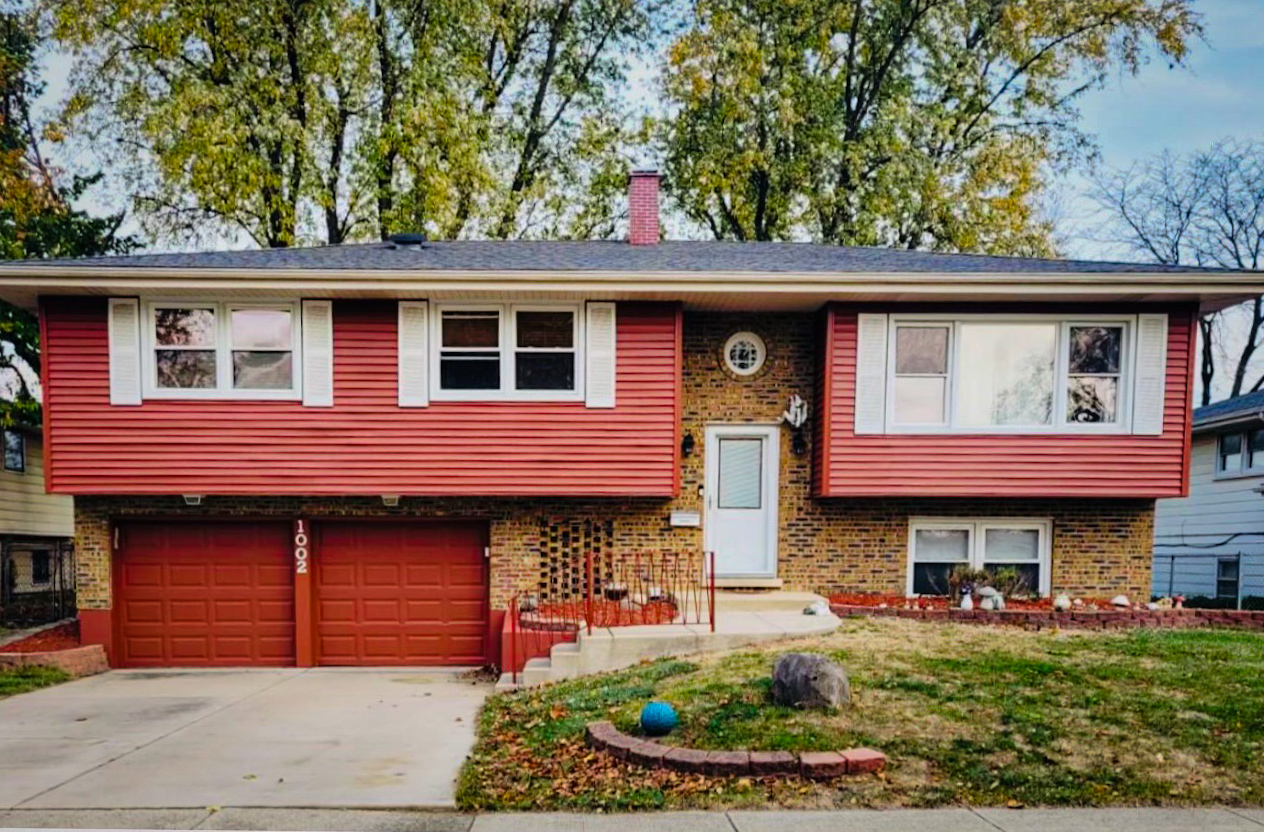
{"x":408,"y":240}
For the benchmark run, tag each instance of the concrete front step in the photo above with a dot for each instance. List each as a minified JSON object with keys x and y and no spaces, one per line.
{"x":614,"y":648}
{"x":769,"y":601}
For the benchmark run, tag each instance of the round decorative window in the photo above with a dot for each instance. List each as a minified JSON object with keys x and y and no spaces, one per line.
{"x":744,"y":353}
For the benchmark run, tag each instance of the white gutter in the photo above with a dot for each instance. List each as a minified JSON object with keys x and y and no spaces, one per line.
{"x":50,"y":275}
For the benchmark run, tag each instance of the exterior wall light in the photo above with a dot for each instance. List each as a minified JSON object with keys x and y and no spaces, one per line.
{"x":687,"y":445}
{"x":390,"y":500}
{"x":193,"y":499}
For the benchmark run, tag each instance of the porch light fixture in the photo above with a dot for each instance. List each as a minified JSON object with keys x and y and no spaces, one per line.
{"x":193,"y":499}
{"x":796,"y":416}
{"x":687,"y":445}
{"x":390,"y":500}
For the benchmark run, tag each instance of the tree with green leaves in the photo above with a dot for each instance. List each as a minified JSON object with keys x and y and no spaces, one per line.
{"x":37,"y":214}
{"x":910,"y":123}
{"x":329,"y":120}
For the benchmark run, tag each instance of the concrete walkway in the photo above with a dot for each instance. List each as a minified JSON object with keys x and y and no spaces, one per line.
{"x":932,"y":820}
{"x":312,"y":738}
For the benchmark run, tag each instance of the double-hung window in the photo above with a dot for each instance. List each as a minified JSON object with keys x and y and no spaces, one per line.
{"x":222,"y":350}
{"x":1240,"y":454}
{"x":507,"y":351}
{"x":985,"y":374}
{"x":936,"y":547}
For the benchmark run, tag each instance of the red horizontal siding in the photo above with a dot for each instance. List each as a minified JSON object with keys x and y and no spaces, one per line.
{"x":365,"y":443}
{"x":998,"y":465}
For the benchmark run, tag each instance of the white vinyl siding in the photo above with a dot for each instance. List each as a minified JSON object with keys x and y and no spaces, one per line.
{"x":1222,"y":516}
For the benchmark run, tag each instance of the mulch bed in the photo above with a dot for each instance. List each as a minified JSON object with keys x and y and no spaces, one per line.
{"x":62,"y":637}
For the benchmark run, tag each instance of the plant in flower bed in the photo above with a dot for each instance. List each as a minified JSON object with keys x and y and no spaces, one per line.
{"x":965,"y":715}
{"x":942,"y":602}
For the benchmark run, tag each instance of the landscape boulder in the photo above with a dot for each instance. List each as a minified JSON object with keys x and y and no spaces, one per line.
{"x":809,"y":680}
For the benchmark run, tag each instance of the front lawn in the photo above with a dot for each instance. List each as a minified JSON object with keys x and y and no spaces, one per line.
{"x":24,"y":679}
{"x":965,"y":714}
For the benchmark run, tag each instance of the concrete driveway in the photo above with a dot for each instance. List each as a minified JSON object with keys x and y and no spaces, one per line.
{"x":321,"y":738}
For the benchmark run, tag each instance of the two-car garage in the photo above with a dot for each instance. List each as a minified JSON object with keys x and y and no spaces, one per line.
{"x":230,"y":593}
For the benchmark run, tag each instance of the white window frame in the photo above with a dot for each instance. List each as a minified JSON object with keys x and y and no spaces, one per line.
{"x":1059,"y":423}
{"x":223,"y":351}
{"x":25,"y":447}
{"x":508,"y":316}
{"x":977,"y":528}
{"x":1244,"y":468}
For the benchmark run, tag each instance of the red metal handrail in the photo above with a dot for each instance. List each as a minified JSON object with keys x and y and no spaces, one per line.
{"x":618,"y":591}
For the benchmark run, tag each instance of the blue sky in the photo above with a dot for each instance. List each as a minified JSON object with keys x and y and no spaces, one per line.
{"x":1220,"y":93}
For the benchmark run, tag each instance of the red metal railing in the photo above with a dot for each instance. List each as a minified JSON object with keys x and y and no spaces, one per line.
{"x":615,"y":591}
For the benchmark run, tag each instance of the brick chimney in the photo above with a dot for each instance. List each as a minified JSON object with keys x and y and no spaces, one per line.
{"x":643,"y":208}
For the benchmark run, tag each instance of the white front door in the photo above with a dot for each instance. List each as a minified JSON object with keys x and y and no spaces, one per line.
{"x":740,"y":525}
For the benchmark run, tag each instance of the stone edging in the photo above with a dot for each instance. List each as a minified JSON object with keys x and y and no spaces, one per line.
{"x":1071,"y":619}
{"x":77,"y":661}
{"x":817,"y":765}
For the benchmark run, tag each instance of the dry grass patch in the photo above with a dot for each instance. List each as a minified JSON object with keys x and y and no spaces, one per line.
{"x":966,"y":715}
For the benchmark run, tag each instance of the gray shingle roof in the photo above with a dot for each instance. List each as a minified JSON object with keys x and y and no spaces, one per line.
{"x":521,"y":255}
{"x":1246,"y":405}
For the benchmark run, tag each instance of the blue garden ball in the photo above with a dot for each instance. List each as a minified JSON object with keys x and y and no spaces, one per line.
{"x":658,"y":719}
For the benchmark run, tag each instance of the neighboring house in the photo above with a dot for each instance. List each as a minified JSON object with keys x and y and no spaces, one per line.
{"x":358,"y":454}
{"x":36,"y":528}
{"x":1211,"y":543}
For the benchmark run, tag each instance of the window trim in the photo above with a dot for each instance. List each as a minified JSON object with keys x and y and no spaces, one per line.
{"x":4,"y":450}
{"x":223,"y":351}
{"x":1059,"y":423}
{"x":1244,"y":469}
{"x":977,"y":528}
{"x":508,"y":315}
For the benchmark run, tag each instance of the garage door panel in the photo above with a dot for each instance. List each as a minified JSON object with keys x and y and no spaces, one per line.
{"x":205,"y":594}
{"x":401,"y":578}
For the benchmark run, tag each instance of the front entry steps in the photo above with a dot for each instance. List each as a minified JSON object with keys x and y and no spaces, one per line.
{"x":741,"y":619}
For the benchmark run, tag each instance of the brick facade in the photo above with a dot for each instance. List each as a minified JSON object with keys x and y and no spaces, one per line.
{"x":1100,"y":547}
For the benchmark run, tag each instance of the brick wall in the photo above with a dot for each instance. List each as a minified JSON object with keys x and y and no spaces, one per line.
{"x":1100,"y":547}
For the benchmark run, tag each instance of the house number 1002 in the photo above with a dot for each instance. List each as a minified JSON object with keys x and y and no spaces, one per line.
{"x":300,"y":547}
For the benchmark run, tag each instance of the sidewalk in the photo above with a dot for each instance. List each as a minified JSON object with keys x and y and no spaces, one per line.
{"x":904,"y":820}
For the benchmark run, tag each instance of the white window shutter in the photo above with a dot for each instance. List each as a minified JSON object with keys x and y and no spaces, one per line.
{"x":599,"y":370}
{"x":318,"y":353}
{"x":1151,"y":374}
{"x":124,"y":337}
{"x":414,"y":381}
{"x":871,"y":373}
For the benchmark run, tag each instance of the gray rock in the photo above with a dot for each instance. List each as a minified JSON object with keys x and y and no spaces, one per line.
{"x":808,"y":680}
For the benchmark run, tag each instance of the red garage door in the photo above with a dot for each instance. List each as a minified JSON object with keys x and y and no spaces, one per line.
{"x":406,"y":593}
{"x":204,"y":594}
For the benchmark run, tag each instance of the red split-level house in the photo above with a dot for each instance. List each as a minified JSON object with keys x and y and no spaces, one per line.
{"x":358,"y":454}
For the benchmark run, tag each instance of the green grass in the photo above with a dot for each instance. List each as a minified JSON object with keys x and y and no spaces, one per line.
{"x":24,"y":679}
{"x":985,"y":716}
